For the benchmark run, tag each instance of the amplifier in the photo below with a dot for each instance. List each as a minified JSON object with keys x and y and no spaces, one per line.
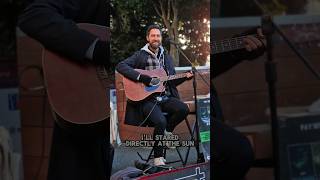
{"x":299,"y":146}
{"x":198,"y":171}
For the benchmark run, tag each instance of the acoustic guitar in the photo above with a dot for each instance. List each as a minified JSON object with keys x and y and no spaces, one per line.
{"x":137,"y":91}
{"x":78,"y":93}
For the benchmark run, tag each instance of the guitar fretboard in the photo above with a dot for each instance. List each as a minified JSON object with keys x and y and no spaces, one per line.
{"x":227,"y":45}
{"x":172,"y":77}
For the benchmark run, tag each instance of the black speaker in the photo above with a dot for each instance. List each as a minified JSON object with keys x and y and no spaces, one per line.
{"x":299,"y":146}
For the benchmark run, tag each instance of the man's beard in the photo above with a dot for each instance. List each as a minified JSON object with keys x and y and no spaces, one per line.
{"x":155,"y":46}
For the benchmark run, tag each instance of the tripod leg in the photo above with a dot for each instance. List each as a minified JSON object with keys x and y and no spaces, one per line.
{"x":192,"y":138}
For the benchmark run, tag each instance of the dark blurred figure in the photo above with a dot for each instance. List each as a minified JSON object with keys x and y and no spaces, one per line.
{"x":232,"y":154}
{"x":82,"y":155}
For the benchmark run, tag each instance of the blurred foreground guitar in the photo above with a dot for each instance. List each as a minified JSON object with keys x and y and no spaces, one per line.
{"x":79,"y":93}
{"x":136,"y":91}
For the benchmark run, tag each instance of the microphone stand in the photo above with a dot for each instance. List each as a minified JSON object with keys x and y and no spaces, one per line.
{"x":268,"y":28}
{"x":271,"y":79}
{"x":200,"y":156}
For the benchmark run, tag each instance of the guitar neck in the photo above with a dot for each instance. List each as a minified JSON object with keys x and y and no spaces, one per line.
{"x":227,"y":45}
{"x":172,"y":77}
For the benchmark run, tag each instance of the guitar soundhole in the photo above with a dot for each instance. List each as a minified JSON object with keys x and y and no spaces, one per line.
{"x":153,"y":87}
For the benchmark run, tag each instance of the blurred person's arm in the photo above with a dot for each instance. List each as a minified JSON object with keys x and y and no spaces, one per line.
{"x":52,"y":23}
{"x":254,"y":48}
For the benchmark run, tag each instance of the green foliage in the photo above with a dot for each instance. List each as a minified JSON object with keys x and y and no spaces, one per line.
{"x":130,"y":19}
{"x":195,"y":30}
{"x":274,"y":7}
{"x":128,"y":22}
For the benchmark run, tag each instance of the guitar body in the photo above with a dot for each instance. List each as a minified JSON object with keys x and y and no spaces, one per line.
{"x":75,"y":91}
{"x":136,"y":91}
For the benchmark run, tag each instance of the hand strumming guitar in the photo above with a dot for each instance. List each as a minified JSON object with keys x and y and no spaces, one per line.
{"x":148,"y":81}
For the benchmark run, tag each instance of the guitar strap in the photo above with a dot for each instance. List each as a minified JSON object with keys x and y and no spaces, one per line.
{"x":165,"y":67}
{"x":165,"y":64}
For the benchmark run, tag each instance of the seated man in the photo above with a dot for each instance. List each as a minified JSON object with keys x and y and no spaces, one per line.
{"x":152,"y":56}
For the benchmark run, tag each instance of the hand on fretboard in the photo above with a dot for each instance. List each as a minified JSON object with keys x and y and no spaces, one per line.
{"x":227,"y":45}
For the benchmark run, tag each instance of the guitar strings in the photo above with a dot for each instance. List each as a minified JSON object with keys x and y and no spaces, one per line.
{"x":233,"y":43}
{"x":235,"y":38}
{"x":232,"y":40}
{"x":176,"y":77}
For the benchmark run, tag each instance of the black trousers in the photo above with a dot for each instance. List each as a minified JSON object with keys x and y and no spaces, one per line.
{"x":232,"y":153}
{"x":177,"y":112}
{"x":79,"y":157}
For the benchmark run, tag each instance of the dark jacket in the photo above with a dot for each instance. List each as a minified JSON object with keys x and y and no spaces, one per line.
{"x":52,"y":23}
{"x":223,"y":62}
{"x":138,"y":60}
